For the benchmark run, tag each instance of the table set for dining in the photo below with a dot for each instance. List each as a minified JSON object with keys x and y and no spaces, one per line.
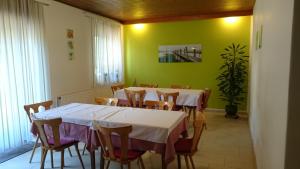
{"x":153,"y":130}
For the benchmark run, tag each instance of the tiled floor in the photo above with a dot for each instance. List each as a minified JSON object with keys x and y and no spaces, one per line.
{"x":226,"y":144}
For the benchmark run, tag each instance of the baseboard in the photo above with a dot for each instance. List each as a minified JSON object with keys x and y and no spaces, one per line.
{"x":242,"y":112}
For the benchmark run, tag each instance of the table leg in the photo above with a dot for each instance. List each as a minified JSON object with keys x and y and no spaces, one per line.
{"x":102,"y":162}
{"x":163,"y":161}
{"x":93,"y":163}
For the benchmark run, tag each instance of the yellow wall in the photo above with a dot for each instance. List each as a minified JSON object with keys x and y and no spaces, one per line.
{"x":141,"y":52}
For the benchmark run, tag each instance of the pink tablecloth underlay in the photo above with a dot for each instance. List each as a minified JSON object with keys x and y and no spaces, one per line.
{"x":88,"y":136}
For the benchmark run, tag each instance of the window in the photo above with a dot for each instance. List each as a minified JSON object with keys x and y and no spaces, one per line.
{"x":107,"y":51}
{"x":23,"y":68}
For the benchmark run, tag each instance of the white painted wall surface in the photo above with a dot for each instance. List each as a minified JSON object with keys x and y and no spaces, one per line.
{"x":71,"y":79}
{"x":68,"y":76}
{"x":270,"y":67}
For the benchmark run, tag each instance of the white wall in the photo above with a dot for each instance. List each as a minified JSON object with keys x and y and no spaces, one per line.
{"x":270,"y":67}
{"x":69,"y":77}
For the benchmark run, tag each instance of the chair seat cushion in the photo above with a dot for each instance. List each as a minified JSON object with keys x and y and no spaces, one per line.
{"x":184,"y":145}
{"x":131,"y":154}
{"x":63,"y":141}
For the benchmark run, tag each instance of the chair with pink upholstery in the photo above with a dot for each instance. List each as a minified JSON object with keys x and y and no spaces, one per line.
{"x":187,"y":147}
{"x":53,"y":141}
{"x":121,"y":153}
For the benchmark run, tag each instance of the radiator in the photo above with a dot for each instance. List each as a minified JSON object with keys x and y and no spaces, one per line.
{"x":84,"y":96}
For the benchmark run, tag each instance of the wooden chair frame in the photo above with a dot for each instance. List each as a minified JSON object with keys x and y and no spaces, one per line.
{"x":164,"y":96}
{"x":116,"y":87}
{"x":106,"y":101}
{"x":54,"y":125}
{"x":132,"y":97}
{"x":35,"y":107}
{"x":159,"y":105}
{"x":104,"y":135}
{"x":199,"y":125}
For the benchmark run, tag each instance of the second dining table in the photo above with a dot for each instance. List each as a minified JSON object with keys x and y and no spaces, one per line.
{"x":186,"y":97}
{"x":155,"y":130}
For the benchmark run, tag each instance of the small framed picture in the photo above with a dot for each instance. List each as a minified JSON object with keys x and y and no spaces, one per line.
{"x":70,"y":33}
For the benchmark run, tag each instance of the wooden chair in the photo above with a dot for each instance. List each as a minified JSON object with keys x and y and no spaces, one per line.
{"x":133,"y":95}
{"x":149,"y":85}
{"x":207,"y":93}
{"x":54,"y":142}
{"x":180,"y":87}
{"x":34,"y":108}
{"x":159,"y":105}
{"x":117,"y":87}
{"x":121,"y":153}
{"x":106,"y":101}
{"x":164,"y":96}
{"x":187,"y":147}
{"x":204,"y":99}
{"x":103,"y":101}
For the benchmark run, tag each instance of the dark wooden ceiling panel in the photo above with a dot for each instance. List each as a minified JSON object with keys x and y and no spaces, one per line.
{"x":134,"y":11}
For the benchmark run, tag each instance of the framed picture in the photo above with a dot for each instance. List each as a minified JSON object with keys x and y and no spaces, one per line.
{"x":179,"y":53}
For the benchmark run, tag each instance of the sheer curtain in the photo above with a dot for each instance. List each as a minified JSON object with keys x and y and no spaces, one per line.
{"x":23,"y":68}
{"x":107,"y":51}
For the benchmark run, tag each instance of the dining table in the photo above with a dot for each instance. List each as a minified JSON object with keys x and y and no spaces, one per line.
{"x":153,"y":130}
{"x":186,"y":97}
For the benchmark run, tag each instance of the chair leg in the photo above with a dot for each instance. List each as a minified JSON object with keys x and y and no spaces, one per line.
{"x":192,"y":162}
{"x":34,"y":147}
{"x":186,"y":162}
{"x":62,"y":159}
{"x":141,"y":162}
{"x":128,"y":165}
{"x":178,"y":161}
{"x":84,"y":147}
{"x":44,"y":154}
{"x":70,"y":152}
{"x":79,"y":156}
{"x":194,"y":113}
{"x":52,"y":163}
{"x":121,"y":165}
{"x":107,"y":165}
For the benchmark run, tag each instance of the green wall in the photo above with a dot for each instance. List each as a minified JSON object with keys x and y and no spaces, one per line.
{"x":141,"y":52}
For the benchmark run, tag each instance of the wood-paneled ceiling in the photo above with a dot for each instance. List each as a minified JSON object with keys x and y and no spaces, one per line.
{"x":141,"y":11}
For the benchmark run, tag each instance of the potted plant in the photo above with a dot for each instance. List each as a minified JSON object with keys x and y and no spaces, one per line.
{"x":232,"y":78}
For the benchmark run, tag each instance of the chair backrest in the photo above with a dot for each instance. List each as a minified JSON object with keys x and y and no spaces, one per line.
{"x":104,"y":135}
{"x":106,"y":101}
{"x":180,"y":87}
{"x":199,"y":124}
{"x":160,"y":105}
{"x":117,"y":87}
{"x":135,"y":95}
{"x":35,"y":107}
{"x":53,"y":125}
{"x":207,"y":93}
{"x":149,"y":85}
{"x":164,"y":96}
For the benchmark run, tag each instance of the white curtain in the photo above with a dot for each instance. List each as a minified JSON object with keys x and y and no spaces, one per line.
{"x":107,"y":51}
{"x":23,"y":68}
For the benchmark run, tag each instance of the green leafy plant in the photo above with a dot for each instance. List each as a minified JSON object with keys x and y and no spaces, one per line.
{"x":232,"y":77}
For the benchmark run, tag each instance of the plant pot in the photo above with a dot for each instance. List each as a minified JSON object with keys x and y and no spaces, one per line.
{"x":231,"y":111}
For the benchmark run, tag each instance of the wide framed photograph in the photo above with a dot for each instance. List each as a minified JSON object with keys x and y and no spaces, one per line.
{"x":179,"y":53}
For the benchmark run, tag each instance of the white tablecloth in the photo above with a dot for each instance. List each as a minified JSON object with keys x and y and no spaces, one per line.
{"x":187,"y":97}
{"x":150,"y":125}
